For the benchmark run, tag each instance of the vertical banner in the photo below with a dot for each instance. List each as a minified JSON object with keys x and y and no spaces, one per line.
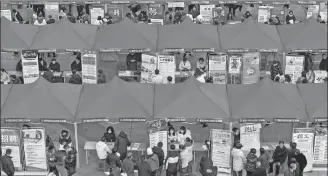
{"x":264,"y":14}
{"x":313,"y":11}
{"x":30,"y":65}
{"x":156,"y":13}
{"x":10,"y":139}
{"x":217,"y":65}
{"x":320,"y":146}
{"x":6,"y":10}
{"x":148,"y":67}
{"x":323,"y":11}
{"x":206,"y":12}
{"x":89,"y":67}
{"x":221,"y":147}
{"x":294,"y":67}
{"x":320,"y":76}
{"x":158,"y":133}
{"x":250,"y":136}
{"x":35,"y":148}
{"x":251,"y":68}
{"x":304,"y":138}
{"x":95,"y":12}
{"x":115,"y":11}
{"x":166,"y":67}
{"x":51,"y":8}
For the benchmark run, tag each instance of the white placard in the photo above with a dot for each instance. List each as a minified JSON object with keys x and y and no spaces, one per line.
{"x":234,"y":64}
{"x":206,"y":12}
{"x":10,"y":139}
{"x":166,"y":67}
{"x":250,"y":136}
{"x":294,"y":67}
{"x":221,"y":146}
{"x":6,"y":13}
{"x":175,"y":4}
{"x":148,"y":67}
{"x":89,"y":68}
{"x":320,"y":75}
{"x":30,"y":64}
{"x":263,"y":14}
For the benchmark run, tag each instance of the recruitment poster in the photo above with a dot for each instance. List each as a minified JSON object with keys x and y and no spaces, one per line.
{"x":206,"y":12}
{"x":251,"y":68}
{"x":294,"y":67}
{"x":148,"y":67}
{"x":221,"y":147}
{"x":155,"y":13}
{"x":6,"y":10}
{"x":217,"y":68}
{"x":234,"y":64}
{"x":127,"y":9}
{"x":95,"y":12}
{"x":323,"y":11}
{"x":263,"y":14}
{"x":89,"y":68}
{"x":51,"y":8}
{"x":320,"y":76}
{"x":320,"y":146}
{"x":304,"y":138}
{"x":157,"y":130}
{"x":166,"y":67}
{"x":35,"y":148}
{"x":10,"y":139}
{"x":30,"y":65}
{"x":250,"y":136}
{"x":115,"y":11}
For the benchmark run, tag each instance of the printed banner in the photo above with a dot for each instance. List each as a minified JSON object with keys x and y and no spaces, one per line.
{"x":89,"y":68}
{"x":304,"y":138}
{"x":148,"y":67}
{"x":234,"y":64}
{"x":294,"y":67}
{"x":320,"y":146}
{"x":30,"y":65}
{"x":155,"y":13}
{"x":95,"y":12}
{"x":313,"y":11}
{"x":221,"y":147}
{"x":115,"y":11}
{"x":251,"y":68}
{"x":320,"y":76}
{"x":51,"y":8}
{"x":158,"y":133}
{"x":35,"y":148}
{"x":264,"y":14}
{"x":10,"y":139}
{"x":217,"y":68}
{"x":166,"y":67}
{"x":206,"y":12}
{"x":323,"y":11}
{"x":250,"y":136}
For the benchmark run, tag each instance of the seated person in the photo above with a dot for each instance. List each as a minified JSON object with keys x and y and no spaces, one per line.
{"x":51,"y":154}
{"x":42,"y":65}
{"x":49,"y":76}
{"x":75,"y":78}
{"x":157,"y":79}
{"x":54,"y":66}
{"x":185,"y":64}
{"x":201,"y":65}
{"x":16,"y":80}
{"x":101,"y":77}
{"x":132,"y":60}
{"x":183,"y":135}
{"x":64,"y":139}
{"x":110,"y":134}
{"x":19,"y":66}
{"x":76,"y":64}
{"x":206,"y":167}
{"x":102,"y":149}
{"x":5,"y":78}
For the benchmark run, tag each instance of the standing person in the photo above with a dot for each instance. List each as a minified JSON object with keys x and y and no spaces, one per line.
{"x":292,"y":151}
{"x":264,"y":159}
{"x":275,"y":69}
{"x":128,"y":165}
{"x":297,"y":166}
{"x":50,"y":20}
{"x":323,"y":63}
{"x":184,"y":133}
{"x":143,"y":167}
{"x":206,"y":167}
{"x":238,"y":159}
{"x":236,"y":135}
{"x":53,"y":171}
{"x":172,"y":161}
{"x":70,"y":160}
{"x":186,"y":156}
{"x":158,"y":150}
{"x":290,"y":18}
{"x":259,"y":171}
{"x":7,"y":163}
{"x":101,"y":77}
{"x":114,"y":170}
{"x":17,"y":17}
{"x":301,"y":159}
{"x":51,"y":154}
{"x":153,"y":161}
{"x":102,"y":149}
{"x":65,"y":138}
{"x":310,"y":75}
{"x":251,"y":160}
{"x":110,"y":134}
{"x":42,"y":64}
{"x":279,"y":157}
{"x":114,"y":157}
{"x":121,"y":145}
{"x":5,"y":78}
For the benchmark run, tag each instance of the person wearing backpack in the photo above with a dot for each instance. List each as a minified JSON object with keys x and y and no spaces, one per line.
{"x":153,"y":161}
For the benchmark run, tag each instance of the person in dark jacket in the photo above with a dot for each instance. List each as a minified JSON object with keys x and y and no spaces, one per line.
{"x":7,"y":163}
{"x":275,"y":69}
{"x":259,"y":171}
{"x":49,"y":76}
{"x":279,"y":157}
{"x":42,"y":65}
{"x":323,"y":63}
{"x":110,"y":134}
{"x":75,"y":78}
{"x":76,"y":64}
{"x":70,"y":160}
{"x":113,"y":158}
{"x":54,"y":66}
{"x":132,"y":60}
{"x":121,"y":145}
{"x":50,"y":20}
{"x":264,"y":158}
{"x":17,"y":17}
{"x":143,"y":167}
{"x":292,"y":151}
{"x":160,"y":154}
{"x":101,"y":77}
{"x":250,"y":165}
{"x":114,"y":170}
{"x":128,"y":165}
{"x":172,"y":161}
{"x":19,"y":66}
{"x":206,"y":167}
{"x":301,"y":159}
{"x":65,"y":138}
{"x":290,"y":18}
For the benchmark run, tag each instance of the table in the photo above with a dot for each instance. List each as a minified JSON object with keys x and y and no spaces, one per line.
{"x":91,"y":145}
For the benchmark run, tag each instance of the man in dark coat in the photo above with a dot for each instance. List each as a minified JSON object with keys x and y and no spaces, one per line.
{"x":259,"y":171}
{"x":302,"y":161}
{"x":76,"y":65}
{"x":279,"y":157}
{"x":121,"y":145}
{"x":70,"y":160}
{"x":160,"y":153}
{"x":75,"y":78}
{"x":19,"y":66}
{"x":7,"y":163}
{"x":49,"y":76}
{"x":113,"y":158}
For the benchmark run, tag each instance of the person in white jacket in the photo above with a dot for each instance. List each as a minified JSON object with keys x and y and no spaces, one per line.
{"x":183,"y":134}
{"x":102,"y":149}
{"x":238,"y":159}
{"x":186,"y":155}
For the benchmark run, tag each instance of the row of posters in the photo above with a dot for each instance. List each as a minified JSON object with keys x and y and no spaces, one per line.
{"x":221,"y":147}
{"x":157,"y":131}
{"x":294,"y":67}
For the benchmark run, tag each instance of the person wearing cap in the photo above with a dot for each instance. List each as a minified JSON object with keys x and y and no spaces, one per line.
{"x":238,"y":159}
{"x":54,"y":66}
{"x":251,"y":160}
{"x":7,"y":163}
{"x":76,"y":64}
{"x":128,"y":165}
{"x":50,"y":20}
{"x":259,"y":171}
{"x":152,"y":160}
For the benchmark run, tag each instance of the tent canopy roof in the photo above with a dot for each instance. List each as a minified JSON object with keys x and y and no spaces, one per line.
{"x":5,"y":90}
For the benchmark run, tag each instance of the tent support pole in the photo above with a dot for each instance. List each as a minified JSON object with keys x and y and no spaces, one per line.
{"x":307,"y":124}
{"x":77,"y":146}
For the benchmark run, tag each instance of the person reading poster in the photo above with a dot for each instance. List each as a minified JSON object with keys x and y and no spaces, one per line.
{"x":30,"y":65}
{"x":221,"y":147}
{"x":250,"y":136}
{"x":217,"y":68}
{"x":251,"y":68}
{"x":10,"y":139}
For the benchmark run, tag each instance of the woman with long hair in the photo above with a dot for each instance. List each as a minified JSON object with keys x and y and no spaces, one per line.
{"x":171,"y":136}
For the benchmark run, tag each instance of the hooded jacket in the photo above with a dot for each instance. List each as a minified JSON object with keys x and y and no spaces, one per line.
{"x":238,"y":159}
{"x":302,"y":161}
{"x":121,"y":143}
{"x":70,"y":159}
{"x":66,"y":138}
{"x":7,"y":164}
{"x":172,"y":161}
{"x":110,"y":137}
{"x":160,"y":154}
{"x":251,"y":162}
{"x":279,"y":154}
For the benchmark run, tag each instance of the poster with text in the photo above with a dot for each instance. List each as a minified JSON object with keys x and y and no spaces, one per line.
{"x":155,"y":13}
{"x":115,"y":11}
{"x":30,"y":65}
{"x":51,"y":8}
{"x":234,"y":64}
{"x":217,"y":68}
{"x":264,"y":14}
{"x":166,"y":67}
{"x":323,"y":11}
{"x":95,"y":12}
{"x":35,"y":148}
{"x":278,"y":11}
{"x":304,"y":138}
{"x":6,"y":13}
{"x":10,"y":139}
{"x":148,"y":67}
{"x":206,"y":12}
{"x":89,"y":68}
{"x":294,"y":67}
{"x":313,"y":11}
{"x":157,"y":130}
{"x":320,"y":146}
{"x":320,"y":76}
{"x":251,"y":68}
{"x":250,"y":136}
{"x":221,"y":146}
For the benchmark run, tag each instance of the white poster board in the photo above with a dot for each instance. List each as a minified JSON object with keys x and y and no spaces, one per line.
{"x":217,"y":68}
{"x":157,"y":130}
{"x":30,"y":64}
{"x":89,"y":68}
{"x":294,"y":67}
{"x":320,"y":76}
{"x":10,"y":139}
{"x":206,"y":12}
{"x":221,"y":147}
{"x":167,"y":67}
{"x":6,"y":13}
{"x":250,"y":137}
{"x":51,"y":8}
{"x":320,"y":146}
{"x":264,"y":14}
{"x":148,"y":67}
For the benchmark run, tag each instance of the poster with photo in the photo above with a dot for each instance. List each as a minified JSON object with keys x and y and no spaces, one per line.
{"x":221,"y":147}
{"x":250,"y":136}
{"x":10,"y":139}
{"x":30,"y":64}
{"x":156,"y":13}
{"x":51,"y":8}
{"x":167,"y":67}
{"x":148,"y":67}
{"x":115,"y":11}
{"x":206,"y":12}
{"x":320,"y":76}
{"x":217,"y":68}
{"x":251,"y":68}
{"x":89,"y":67}
{"x":294,"y":67}
{"x":320,"y":146}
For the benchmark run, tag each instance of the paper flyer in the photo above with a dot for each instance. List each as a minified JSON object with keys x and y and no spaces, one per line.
{"x":89,"y":68}
{"x":217,"y":68}
{"x":304,"y":138}
{"x":234,"y":64}
{"x":313,"y":11}
{"x":263,"y":14}
{"x":157,"y":130}
{"x":115,"y":11}
{"x":51,"y":8}
{"x":206,"y":12}
{"x":294,"y":67}
{"x":320,"y":76}
{"x":155,"y":13}
{"x":10,"y":139}
{"x":35,"y":148}
{"x":320,"y":146}
{"x":148,"y":67}
{"x":95,"y":12}
{"x":323,"y":11}
{"x":30,"y":65}
{"x":250,"y":136}
{"x":166,"y":67}
{"x":251,"y":68}
{"x":221,"y":147}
